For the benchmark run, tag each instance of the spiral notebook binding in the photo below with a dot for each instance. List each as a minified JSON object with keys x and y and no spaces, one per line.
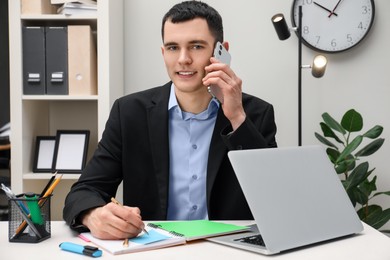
{"x":154,"y":225}
{"x":173,"y":233}
{"x":176,"y":234}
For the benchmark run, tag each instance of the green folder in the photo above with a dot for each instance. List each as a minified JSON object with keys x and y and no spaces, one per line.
{"x":198,"y":229}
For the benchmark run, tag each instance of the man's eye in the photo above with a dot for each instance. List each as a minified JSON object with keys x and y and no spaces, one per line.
{"x":197,"y":47}
{"x":172,"y":48}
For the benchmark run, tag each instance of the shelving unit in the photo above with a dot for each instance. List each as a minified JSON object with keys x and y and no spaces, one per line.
{"x":40,"y":115}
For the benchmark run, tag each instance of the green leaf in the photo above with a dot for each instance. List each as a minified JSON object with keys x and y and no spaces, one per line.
{"x":382,"y":193}
{"x":374,"y":132}
{"x":378,"y":219}
{"x":357,"y":196}
{"x":332,"y":154}
{"x":365,"y":212}
{"x":367,"y":187}
{"x":328,"y":132}
{"x":333,"y":123}
{"x":370,"y":148}
{"x":358,"y":175}
{"x":350,"y":148}
{"x":324,"y":140}
{"x":352,"y":121}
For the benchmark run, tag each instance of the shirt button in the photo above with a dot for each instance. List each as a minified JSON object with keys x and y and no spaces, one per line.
{"x":194,"y":146}
{"x":194,"y":207}
{"x":194,"y":176}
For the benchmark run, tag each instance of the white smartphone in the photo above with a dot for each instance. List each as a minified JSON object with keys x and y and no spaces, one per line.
{"x":221,"y":54}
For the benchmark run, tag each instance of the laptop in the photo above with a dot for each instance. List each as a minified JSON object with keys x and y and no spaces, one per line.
{"x":295,"y":196}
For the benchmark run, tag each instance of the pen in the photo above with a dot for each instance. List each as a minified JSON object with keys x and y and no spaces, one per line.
{"x":12,"y":195}
{"x":80,"y":249}
{"x":126,"y":242}
{"x":48,"y":184}
{"x":26,"y":218}
{"x":41,"y":202}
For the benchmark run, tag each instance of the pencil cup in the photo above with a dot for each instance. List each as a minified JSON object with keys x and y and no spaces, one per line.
{"x":29,"y":218}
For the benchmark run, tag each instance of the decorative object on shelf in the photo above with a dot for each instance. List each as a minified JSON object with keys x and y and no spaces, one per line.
{"x":44,"y":153}
{"x":331,"y":26}
{"x":70,"y":151}
{"x":318,"y":66}
{"x":348,"y":162}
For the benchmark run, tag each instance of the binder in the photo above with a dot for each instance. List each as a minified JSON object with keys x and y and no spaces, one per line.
{"x":34,"y":76}
{"x":82,"y":61}
{"x":56,"y":60}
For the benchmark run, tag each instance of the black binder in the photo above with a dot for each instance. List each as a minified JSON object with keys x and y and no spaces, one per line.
{"x":33,"y":60}
{"x":57,"y":60}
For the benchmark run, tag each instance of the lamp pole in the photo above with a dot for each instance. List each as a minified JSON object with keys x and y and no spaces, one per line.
{"x":299,"y":29}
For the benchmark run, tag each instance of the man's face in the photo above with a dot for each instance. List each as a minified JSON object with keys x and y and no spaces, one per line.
{"x":187,"y":49}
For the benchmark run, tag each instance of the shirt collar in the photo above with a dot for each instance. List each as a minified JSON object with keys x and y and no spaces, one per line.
{"x":210,"y":111}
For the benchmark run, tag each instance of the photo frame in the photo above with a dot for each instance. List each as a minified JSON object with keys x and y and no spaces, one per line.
{"x":44,"y":153}
{"x":70,"y":151}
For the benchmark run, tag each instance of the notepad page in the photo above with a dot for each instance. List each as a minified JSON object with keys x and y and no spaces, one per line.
{"x":154,"y":240}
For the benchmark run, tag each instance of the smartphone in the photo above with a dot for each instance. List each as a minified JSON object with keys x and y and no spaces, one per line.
{"x":221,"y":54}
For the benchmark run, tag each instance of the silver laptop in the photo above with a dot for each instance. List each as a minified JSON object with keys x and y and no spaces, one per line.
{"x":295,"y":196}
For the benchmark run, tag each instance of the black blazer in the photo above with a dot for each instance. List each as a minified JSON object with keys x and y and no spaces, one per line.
{"x":134,"y":149}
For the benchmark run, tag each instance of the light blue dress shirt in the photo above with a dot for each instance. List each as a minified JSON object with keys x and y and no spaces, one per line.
{"x":189,"y":142}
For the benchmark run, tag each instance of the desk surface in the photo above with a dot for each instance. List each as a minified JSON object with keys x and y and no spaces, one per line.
{"x":370,"y":244}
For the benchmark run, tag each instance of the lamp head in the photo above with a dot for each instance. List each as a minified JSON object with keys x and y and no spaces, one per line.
{"x":319,"y":66}
{"x":281,"y":27}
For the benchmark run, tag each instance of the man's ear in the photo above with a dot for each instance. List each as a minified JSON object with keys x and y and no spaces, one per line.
{"x":226,"y":45}
{"x":162,"y":50}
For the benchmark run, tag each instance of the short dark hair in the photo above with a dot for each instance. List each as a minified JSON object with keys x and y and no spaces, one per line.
{"x":189,"y":10}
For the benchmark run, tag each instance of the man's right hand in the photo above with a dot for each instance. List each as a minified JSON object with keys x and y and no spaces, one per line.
{"x":114,"y":221}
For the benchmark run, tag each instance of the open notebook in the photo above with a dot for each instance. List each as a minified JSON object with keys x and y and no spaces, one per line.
{"x":165,"y":234}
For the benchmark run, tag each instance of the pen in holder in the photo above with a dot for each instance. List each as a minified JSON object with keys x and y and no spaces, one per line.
{"x":29,"y":218}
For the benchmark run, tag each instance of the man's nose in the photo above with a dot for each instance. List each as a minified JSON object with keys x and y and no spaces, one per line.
{"x":185,"y":57}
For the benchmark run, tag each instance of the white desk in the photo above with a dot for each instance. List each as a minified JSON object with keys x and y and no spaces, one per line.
{"x":370,"y":244}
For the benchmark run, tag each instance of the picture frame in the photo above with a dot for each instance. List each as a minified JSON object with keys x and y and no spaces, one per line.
{"x":70,"y":151}
{"x":44,"y":154}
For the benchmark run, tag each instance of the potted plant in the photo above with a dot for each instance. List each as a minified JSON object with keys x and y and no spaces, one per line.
{"x":343,"y":140}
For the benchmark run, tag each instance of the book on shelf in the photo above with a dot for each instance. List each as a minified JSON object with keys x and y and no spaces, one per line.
{"x":165,"y":234}
{"x":78,"y":8}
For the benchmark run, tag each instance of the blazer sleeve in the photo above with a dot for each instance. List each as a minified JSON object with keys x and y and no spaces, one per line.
{"x":257,"y":131}
{"x":101,"y":177}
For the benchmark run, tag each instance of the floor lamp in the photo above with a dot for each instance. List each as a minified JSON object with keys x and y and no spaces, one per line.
{"x":318,"y":65}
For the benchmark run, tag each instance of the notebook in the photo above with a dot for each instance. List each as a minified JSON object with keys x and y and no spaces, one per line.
{"x":295,"y":196}
{"x":198,"y":229}
{"x":165,"y":234}
{"x":157,"y":238}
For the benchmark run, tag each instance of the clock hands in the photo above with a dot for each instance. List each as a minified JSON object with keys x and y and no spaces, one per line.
{"x":330,"y":12}
{"x":334,"y":9}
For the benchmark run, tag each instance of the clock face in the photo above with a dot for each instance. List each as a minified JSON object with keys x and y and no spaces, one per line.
{"x":333,"y":25}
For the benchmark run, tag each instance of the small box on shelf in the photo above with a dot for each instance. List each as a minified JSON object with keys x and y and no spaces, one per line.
{"x":38,"y":7}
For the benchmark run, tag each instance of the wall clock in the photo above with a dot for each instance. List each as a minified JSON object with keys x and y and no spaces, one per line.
{"x":333,"y":26}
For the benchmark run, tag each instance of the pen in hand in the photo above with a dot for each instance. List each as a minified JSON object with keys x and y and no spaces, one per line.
{"x":126,"y":242}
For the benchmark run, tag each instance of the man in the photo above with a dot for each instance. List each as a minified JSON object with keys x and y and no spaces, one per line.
{"x":169,"y":144}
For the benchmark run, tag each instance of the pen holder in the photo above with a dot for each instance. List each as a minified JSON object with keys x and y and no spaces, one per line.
{"x":29,"y":218}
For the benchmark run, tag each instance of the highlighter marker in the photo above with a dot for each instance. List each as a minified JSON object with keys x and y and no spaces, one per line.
{"x":80,"y":249}
{"x":35,"y":210}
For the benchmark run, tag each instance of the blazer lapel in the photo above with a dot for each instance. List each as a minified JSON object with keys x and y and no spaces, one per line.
{"x":158,"y":132}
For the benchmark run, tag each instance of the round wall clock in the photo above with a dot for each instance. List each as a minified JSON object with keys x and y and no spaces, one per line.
{"x":333,"y":25}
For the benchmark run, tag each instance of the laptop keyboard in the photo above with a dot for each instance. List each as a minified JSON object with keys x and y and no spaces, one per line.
{"x":254,"y":240}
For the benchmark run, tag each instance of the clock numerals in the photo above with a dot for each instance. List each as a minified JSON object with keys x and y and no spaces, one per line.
{"x":349,"y":38}
{"x":333,"y":26}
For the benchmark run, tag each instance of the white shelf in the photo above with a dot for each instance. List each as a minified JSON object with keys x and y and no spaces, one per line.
{"x":46,"y":176}
{"x":40,"y":115}
{"x":58,"y":17}
{"x":58,"y":97}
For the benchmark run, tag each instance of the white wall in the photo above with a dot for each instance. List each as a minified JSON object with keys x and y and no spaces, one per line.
{"x":359,"y":78}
